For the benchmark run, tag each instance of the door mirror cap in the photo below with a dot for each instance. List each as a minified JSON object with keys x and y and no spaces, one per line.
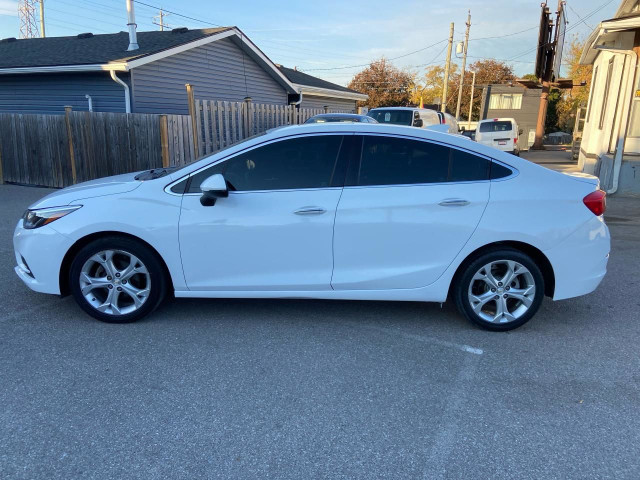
{"x":520,"y":132}
{"x":212,"y":188}
{"x":418,"y":122}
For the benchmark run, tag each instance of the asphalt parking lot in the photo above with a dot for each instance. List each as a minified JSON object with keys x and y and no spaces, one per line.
{"x":319,"y":389}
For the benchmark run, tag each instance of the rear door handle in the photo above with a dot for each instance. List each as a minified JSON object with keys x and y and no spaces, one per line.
{"x":310,"y":211}
{"x":454,"y":202}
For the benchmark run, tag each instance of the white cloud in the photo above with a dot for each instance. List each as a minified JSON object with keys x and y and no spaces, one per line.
{"x":9,"y":8}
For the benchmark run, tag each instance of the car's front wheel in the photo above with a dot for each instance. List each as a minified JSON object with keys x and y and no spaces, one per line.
{"x":500,"y":290}
{"x":117,"y":280}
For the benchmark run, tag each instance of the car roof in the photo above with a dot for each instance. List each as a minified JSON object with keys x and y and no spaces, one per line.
{"x":453,"y":140}
{"x":404,"y":108}
{"x":346,"y":115}
{"x":501,"y":119}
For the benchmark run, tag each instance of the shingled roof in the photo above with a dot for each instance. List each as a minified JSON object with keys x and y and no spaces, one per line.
{"x":88,"y":49}
{"x":301,"y":78}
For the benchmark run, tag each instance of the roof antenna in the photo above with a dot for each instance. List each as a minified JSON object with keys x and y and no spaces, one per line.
{"x":131,"y":23}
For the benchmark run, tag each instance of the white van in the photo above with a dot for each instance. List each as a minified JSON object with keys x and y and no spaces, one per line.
{"x":409,"y":116}
{"x":500,"y":133}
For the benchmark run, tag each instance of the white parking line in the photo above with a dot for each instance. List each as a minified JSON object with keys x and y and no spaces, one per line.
{"x":422,"y":338}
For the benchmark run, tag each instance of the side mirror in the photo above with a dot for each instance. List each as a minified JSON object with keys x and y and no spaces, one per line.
{"x":520,"y":132}
{"x":418,"y":123}
{"x":213,"y":188}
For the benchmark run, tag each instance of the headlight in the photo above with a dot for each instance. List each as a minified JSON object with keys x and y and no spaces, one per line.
{"x":42,"y":216}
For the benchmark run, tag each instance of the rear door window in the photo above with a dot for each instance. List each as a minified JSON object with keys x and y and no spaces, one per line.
{"x":401,"y":161}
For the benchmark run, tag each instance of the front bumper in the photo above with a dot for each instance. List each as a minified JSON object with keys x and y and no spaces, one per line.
{"x":39,"y":255}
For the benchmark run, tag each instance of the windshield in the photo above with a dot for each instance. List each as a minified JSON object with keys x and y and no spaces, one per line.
{"x":502,"y":126}
{"x":395,"y":117}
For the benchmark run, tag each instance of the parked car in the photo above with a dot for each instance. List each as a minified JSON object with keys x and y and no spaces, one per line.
{"x":450,"y":120}
{"x":340,"y":117}
{"x":500,"y":133}
{"x":347,"y":211}
{"x":468,"y":133}
{"x":408,"y":116}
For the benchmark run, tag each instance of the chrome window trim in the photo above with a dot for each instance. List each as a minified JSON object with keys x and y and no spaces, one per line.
{"x":514,"y":171}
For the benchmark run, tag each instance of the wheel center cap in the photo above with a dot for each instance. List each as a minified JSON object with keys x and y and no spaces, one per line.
{"x":117,"y":281}
{"x":500,"y":290}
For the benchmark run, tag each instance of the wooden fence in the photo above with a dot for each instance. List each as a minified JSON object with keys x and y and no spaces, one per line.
{"x":61,"y":150}
{"x":220,"y":124}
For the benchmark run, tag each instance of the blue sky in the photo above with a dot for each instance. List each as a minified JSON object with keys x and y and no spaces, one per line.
{"x":321,"y":37}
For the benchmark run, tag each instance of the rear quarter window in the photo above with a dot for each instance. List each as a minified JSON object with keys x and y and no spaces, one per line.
{"x":499,"y":171}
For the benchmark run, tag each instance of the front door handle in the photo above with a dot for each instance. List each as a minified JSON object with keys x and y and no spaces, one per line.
{"x":454,"y":202}
{"x":310,"y":211}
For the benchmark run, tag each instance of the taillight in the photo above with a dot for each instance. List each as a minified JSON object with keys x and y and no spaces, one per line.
{"x":596,"y":202}
{"x":515,"y":140}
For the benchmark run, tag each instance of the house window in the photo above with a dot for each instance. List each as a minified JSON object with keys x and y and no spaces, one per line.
{"x":505,"y":101}
{"x":605,"y":96}
{"x":593,"y":87}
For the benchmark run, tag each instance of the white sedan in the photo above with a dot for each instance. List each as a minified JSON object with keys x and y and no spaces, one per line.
{"x":336,"y":211}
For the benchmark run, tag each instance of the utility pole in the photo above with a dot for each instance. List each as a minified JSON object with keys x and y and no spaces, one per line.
{"x":445,"y":87}
{"x":547,"y":42}
{"x":42,"y":34}
{"x":159,"y":20}
{"x":464,"y":64}
{"x":473,"y":84}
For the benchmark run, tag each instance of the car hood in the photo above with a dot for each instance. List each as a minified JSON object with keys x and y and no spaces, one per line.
{"x":94,"y":188}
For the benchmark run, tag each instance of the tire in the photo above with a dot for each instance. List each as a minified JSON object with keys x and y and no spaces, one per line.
{"x":481,"y":297}
{"x":117,"y":279}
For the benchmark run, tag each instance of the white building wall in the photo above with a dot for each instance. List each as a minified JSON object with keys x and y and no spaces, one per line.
{"x":599,"y":143}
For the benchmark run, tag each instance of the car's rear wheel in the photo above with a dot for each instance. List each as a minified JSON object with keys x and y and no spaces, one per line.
{"x":117,"y":280}
{"x":500,"y":290}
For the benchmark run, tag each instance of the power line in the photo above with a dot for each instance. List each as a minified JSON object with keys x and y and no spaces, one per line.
{"x":394,"y":58}
{"x":578,"y":15}
{"x":506,"y":35}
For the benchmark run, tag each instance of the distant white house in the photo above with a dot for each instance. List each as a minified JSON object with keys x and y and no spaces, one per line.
{"x":610,"y":145}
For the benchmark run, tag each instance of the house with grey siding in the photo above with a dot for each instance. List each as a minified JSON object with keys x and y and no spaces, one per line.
{"x":515,"y":102}
{"x":318,"y":93}
{"x":43,"y":75}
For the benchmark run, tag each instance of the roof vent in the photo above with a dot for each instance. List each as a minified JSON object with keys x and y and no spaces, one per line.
{"x":85,"y":35}
{"x":8,"y":40}
{"x":180,"y":30}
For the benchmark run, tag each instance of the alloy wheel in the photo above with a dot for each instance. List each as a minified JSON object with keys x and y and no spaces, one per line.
{"x":115,"y":282}
{"x":501,"y":291}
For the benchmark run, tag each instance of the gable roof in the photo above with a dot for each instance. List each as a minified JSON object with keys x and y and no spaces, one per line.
{"x":96,"y":49}
{"x":311,"y":85}
{"x":108,"y":52}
